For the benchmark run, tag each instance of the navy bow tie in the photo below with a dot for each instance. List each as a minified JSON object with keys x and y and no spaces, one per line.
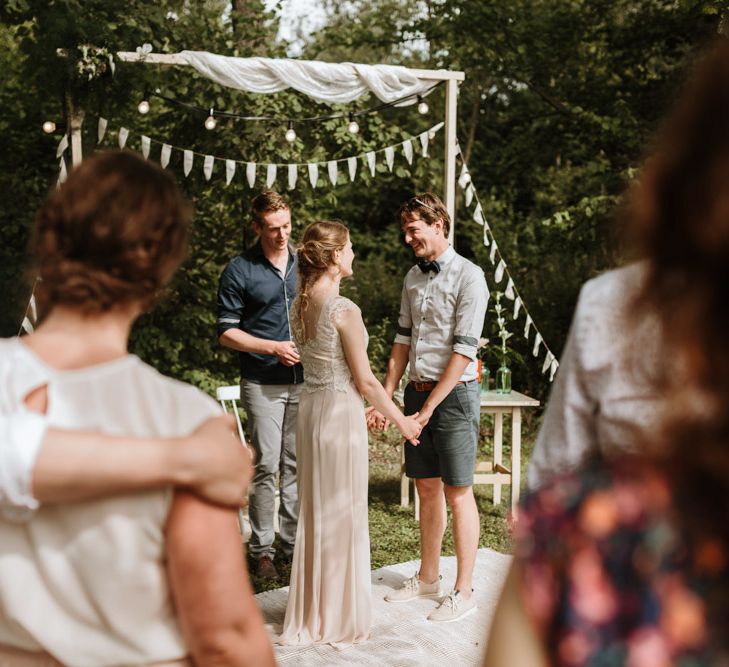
{"x":426,"y":266}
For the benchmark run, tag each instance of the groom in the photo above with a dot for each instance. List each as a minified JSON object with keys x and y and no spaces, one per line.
{"x":442,"y":312}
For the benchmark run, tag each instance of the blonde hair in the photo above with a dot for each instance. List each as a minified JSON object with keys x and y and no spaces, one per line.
{"x":315,"y":255}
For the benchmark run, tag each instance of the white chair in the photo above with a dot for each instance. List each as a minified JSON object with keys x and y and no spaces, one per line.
{"x":229,"y":396}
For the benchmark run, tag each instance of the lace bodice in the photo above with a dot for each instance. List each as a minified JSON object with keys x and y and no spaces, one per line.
{"x":325,"y":366}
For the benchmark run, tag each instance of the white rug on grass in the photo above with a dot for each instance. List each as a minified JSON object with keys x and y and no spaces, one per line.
{"x":401,"y":634}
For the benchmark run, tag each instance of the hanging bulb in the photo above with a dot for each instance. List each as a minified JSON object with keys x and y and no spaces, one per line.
{"x":210,"y":121}
{"x":290,"y":132}
{"x":143,"y":106}
{"x":49,"y":127}
{"x":353,"y":126}
{"x":422,"y":105}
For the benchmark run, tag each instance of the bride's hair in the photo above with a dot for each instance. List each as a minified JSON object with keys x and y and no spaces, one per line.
{"x":316,"y":254}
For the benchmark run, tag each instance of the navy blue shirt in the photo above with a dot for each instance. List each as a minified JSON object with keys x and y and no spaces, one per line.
{"x":253,"y":296}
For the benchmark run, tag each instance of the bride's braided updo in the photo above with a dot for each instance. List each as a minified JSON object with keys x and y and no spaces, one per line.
{"x":315,"y":256}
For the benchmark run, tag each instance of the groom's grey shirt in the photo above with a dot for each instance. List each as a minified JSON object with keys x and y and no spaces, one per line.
{"x":442,"y":313}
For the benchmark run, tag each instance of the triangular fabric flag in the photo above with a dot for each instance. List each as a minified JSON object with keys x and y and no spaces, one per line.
{"x":292,"y":176}
{"x":101,"y":129}
{"x":27,"y":326}
{"x":424,"y":143}
{"x":527,"y":326}
{"x":62,"y":145}
{"x":313,"y":168}
{"x":553,"y":369}
{"x":164,"y":155}
{"x":32,"y":308}
{"x":486,"y":235}
{"x":517,"y":307}
{"x":63,"y":172}
{"x":352,"y":164}
{"x":468,"y":194}
{"x":371,"y":161}
{"x":208,"y":166}
{"x":465,"y":178}
{"x":145,"y":146}
{"x":390,"y":157}
{"x":123,"y":136}
{"x":492,"y":253}
{"x":478,"y":215}
{"x":537,"y":343}
{"x":251,"y":173}
{"x":509,"y":291}
{"x":187,"y":161}
{"x":499,"y":274}
{"x":229,"y":171}
{"x":548,"y":358}
{"x":407,"y":149}
{"x":332,"y":171}
{"x":270,"y":175}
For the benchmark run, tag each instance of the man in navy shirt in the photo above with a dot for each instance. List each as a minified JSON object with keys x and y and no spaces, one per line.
{"x":254,"y":297}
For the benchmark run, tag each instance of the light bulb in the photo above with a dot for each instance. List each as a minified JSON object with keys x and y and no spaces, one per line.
{"x":353,"y":127}
{"x":49,"y":126}
{"x":422,"y":106}
{"x":210,"y":121}
{"x":143,"y":106}
{"x":290,"y":133}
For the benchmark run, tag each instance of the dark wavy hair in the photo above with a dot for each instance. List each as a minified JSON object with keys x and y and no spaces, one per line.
{"x":114,"y":233}
{"x":428,"y":207}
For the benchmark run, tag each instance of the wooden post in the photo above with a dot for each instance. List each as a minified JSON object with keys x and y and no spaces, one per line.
{"x":451,"y":148}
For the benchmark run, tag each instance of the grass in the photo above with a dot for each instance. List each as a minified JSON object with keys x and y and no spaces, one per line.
{"x":394,"y":532}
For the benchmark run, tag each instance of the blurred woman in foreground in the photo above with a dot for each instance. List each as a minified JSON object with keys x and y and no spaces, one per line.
{"x":625,"y":561}
{"x":155,"y":577}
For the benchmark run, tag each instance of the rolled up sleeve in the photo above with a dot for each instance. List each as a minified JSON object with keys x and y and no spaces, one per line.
{"x":405,"y":320}
{"x":471,"y":306}
{"x":21,"y":436}
{"x":230,"y":300}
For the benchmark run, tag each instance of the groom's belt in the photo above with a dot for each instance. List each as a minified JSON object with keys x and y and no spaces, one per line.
{"x":429,"y":385}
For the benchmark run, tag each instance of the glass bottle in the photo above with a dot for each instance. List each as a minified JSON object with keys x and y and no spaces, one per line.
{"x":485,"y":378}
{"x":503,"y":379}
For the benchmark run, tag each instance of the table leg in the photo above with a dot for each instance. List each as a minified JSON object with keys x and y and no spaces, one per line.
{"x":515,"y":459}
{"x":498,"y":451}
{"x":404,"y":481}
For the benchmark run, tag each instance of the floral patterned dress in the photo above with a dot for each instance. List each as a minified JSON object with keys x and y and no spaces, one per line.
{"x":608,"y":579}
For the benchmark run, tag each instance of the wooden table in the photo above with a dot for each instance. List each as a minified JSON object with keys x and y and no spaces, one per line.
{"x":490,"y":472}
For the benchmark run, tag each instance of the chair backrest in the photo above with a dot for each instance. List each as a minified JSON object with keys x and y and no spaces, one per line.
{"x":228,"y":398}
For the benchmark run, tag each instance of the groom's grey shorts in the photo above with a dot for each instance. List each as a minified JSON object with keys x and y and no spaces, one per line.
{"x":447,"y":446}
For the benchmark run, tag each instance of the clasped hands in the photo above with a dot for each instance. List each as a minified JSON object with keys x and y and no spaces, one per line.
{"x":410,"y":429}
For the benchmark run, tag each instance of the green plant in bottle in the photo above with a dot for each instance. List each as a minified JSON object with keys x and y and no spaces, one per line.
{"x":503,"y":374}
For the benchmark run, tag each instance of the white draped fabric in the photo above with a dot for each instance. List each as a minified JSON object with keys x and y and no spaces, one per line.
{"x":336,"y":83}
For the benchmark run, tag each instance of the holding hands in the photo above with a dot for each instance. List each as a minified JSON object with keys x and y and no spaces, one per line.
{"x":409,"y":426}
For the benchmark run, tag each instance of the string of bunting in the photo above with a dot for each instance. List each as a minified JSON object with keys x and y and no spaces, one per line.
{"x":272,"y":169}
{"x":550,"y":362}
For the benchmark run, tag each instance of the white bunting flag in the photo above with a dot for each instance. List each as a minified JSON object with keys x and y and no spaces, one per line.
{"x":517,"y":307}
{"x":486,"y":235}
{"x":509,"y":291}
{"x":332,"y":171}
{"x":499,"y":273}
{"x":208,"y":167}
{"x":492,"y":253}
{"x":352,"y":164}
{"x":251,"y":173}
{"x":62,"y":145}
{"x":424,"y":143}
{"x":548,"y":359}
{"x":123,"y":136}
{"x":292,"y":176}
{"x":553,"y":369}
{"x":478,"y":215}
{"x":101,"y":129}
{"x":145,"y":146}
{"x":33,"y":310}
{"x":407,"y":149}
{"x":313,"y":168}
{"x":527,"y":326}
{"x":371,"y":161}
{"x":187,"y":161}
{"x":229,"y":171}
{"x":62,"y":171}
{"x":468,"y":194}
{"x":465,"y":178}
{"x":164,"y":155}
{"x":537,"y":343}
{"x":27,"y":326}
{"x":390,"y":157}
{"x":270,"y":175}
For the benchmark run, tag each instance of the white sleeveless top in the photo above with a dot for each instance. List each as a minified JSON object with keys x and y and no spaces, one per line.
{"x":86,"y":581}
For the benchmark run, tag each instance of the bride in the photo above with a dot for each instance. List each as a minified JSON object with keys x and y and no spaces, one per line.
{"x":329,"y":598}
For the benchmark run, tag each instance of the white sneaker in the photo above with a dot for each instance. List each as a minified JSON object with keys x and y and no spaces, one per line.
{"x":453,"y":608}
{"x":414,"y":588}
